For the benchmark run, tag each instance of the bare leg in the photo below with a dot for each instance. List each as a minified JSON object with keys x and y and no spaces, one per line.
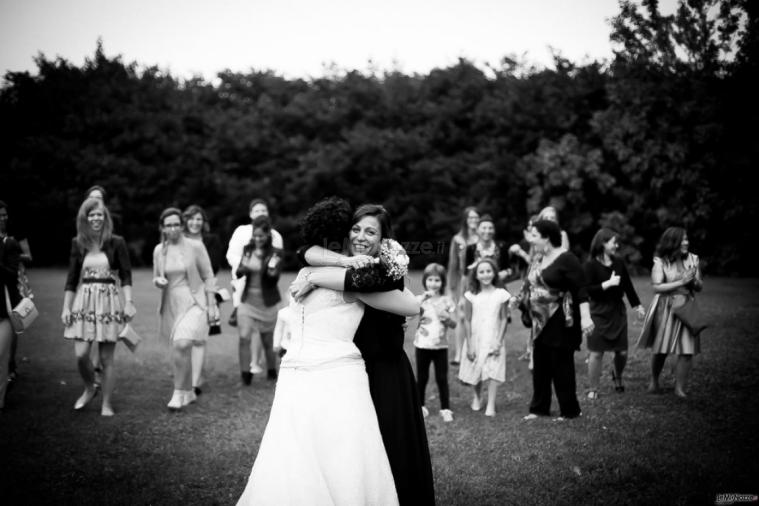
{"x":684,"y":365}
{"x":182,"y":364}
{"x":595,"y":364}
{"x":244,"y":351}
{"x":476,"y":400}
{"x":106,"y":360}
{"x":84,"y":364}
{"x":492,"y":390}
{"x":198,"y":359}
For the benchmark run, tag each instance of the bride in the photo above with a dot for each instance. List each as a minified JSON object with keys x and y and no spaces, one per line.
{"x":322,"y":444}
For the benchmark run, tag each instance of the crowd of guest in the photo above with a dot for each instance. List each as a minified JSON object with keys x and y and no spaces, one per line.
{"x":466,"y":308}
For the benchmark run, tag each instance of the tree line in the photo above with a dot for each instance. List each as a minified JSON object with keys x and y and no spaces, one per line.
{"x":660,"y":135}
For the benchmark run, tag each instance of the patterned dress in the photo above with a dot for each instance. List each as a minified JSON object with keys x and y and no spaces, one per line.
{"x":97,"y":314}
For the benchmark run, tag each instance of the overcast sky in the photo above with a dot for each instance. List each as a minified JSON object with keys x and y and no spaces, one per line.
{"x":298,"y":37}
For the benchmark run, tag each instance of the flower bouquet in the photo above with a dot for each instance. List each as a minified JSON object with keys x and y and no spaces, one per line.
{"x":393,"y":257}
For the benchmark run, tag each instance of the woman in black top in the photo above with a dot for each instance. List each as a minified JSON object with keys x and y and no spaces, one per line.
{"x":380,"y":337}
{"x":560,"y":318}
{"x":487,"y":247}
{"x":99,"y":275}
{"x":608,"y":282}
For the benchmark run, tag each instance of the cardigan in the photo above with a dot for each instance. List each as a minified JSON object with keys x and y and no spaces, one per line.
{"x":118,"y":259}
{"x":197,"y":267}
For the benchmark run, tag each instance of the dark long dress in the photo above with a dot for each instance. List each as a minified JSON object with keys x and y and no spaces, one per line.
{"x":607,"y":307}
{"x":380,"y":337}
{"x":391,"y":382}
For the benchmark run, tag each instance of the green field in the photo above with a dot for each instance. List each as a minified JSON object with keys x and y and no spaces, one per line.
{"x":631,"y":448}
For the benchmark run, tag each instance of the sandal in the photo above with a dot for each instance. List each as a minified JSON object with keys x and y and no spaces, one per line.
{"x":592,"y":395}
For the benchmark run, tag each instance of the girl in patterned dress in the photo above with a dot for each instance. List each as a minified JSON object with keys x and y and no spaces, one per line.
{"x":486,"y":318}
{"x":431,"y":338}
{"x":93,"y":311}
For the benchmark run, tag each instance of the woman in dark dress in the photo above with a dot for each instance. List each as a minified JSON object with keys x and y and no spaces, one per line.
{"x":560,"y":318}
{"x":380,"y":337}
{"x":608,"y":282}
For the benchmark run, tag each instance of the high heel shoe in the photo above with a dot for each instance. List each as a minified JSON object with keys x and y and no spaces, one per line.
{"x":85,"y":398}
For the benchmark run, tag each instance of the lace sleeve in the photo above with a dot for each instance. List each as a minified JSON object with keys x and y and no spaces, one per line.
{"x":373,"y":278}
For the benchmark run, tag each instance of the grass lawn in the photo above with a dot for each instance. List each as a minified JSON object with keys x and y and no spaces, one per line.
{"x":631,"y":448}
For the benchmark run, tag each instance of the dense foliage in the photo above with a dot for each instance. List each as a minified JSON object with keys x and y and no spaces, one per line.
{"x":660,"y":135}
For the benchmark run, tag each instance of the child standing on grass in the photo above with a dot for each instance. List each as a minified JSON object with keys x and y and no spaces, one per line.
{"x":486,"y":315}
{"x":431,"y":338}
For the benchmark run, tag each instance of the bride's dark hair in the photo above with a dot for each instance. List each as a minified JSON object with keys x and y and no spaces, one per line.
{"x":327,"y":223}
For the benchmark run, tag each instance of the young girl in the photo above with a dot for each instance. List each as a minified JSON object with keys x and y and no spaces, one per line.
{"x":486,"y":317}
{"x":431,"y":339}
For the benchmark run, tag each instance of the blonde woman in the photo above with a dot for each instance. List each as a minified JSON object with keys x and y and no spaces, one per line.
{"x":93,"y":310}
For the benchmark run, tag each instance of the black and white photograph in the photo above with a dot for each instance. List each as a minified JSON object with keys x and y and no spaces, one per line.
{"x":400,"y":253}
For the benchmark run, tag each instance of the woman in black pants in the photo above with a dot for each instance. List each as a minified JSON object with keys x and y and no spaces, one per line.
{"x":560,"y":318}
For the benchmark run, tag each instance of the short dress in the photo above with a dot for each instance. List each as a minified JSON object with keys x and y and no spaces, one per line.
{"x":486,"y":307}
{"x":263,"y":317}
{"x":662,"y":331}
{"x":97,"y":314}
{"x":181,"y":317}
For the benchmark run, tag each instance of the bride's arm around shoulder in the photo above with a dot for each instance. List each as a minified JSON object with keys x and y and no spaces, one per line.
{"x":402,"y":303}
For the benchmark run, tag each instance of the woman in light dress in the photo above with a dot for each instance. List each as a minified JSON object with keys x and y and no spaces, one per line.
{"x":182,"y":271}
{"x":322,"y":444}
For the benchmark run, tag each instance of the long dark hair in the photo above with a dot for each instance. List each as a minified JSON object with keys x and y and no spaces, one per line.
{"x":669,"y":243}
{"x":603,"y":236}
{"x":263,"y":223}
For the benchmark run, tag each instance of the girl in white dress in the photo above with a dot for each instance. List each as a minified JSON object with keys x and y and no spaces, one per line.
{"x":485,"y":348}
{"x":322,"y":444}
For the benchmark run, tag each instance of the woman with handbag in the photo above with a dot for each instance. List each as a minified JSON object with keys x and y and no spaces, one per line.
{"x":182,"y":271}
{"x":608,"y":282}
{"x":10,"y":258}
{"x":675,"y":276}
{"x":560,"y":318}
{"x":92,"y":307}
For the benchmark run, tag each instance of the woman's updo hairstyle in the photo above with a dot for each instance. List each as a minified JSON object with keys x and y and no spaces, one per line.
{"x":327,"y":223}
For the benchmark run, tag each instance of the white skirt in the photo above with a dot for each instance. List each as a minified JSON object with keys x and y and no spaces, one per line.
{"x":322,"y":444}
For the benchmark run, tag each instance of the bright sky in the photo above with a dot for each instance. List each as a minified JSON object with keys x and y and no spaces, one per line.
{"x":297,"y":38}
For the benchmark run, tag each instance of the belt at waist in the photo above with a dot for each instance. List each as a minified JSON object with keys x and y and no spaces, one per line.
{"x":99,"y":280}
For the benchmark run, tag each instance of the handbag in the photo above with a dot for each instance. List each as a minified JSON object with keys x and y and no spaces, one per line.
{"x":524,"y":306}
{"x":691,"y":316}
{"x":23,"y":315}
{"x":130,"y":337}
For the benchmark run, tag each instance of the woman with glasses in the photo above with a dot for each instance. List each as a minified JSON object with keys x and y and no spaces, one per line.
{"x":182,"y":271}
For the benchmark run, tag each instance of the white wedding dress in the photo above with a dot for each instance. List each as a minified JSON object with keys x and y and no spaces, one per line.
{"x":322,"y":444}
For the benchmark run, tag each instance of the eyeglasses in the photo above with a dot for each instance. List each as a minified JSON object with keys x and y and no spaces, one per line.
{"x":173,"y":225}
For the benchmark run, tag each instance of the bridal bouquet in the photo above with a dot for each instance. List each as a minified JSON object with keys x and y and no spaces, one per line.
{"x":393,"y":257}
